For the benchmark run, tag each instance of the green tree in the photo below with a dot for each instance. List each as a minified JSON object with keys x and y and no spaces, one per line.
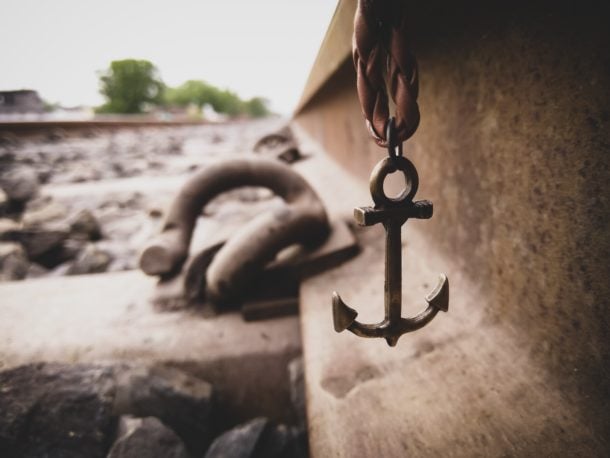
{"x":129,"y":86}
{"x":225,"y":101}
{"x":257,"y":107}
{"x":191,"y":92}
{"x":200,"y":93}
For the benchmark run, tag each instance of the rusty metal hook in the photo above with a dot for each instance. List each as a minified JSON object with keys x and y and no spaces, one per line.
{"x":392,"y":213}
{"x":302,"y":220}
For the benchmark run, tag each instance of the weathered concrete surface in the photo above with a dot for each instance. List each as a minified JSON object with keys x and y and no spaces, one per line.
{"x":514,"y":151}
{"x":463,"y":386}
{"x":108,"y":318}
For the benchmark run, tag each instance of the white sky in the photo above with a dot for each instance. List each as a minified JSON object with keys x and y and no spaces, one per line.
{"x":254,"y":47}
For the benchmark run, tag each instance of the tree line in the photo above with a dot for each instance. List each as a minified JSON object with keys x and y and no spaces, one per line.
{"x":132,"y":86}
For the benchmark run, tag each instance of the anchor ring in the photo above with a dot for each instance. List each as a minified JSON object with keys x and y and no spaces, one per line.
{"x":382,"y":170}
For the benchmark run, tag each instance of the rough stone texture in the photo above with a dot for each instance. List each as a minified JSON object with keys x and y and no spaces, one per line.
{"x":181,"y":401}
{"x":239,"y":442}
{"x":44,"y":246}
{"x":8,"y":229}
{"x":55,"y":411}
{"x":120,"y":153}
{"x":43,"y":210}
{"x":20,"y":184}
{"x":514,"y":151}
{"x":13,"y":261}
{"x":71,"y":410}
{"x":109,"y":317}
{"x":85,"y":224}
{"x":89,"y":261}
{"x":36,"y":271}
{"x":3,"y":199}
{"x":258,"y":438}
{"x":134,"y":175}
{"x":146,"y":438}
{"x":297,"y":390}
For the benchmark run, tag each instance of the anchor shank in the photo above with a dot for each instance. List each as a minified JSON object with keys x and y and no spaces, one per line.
{"x":393,"y":268}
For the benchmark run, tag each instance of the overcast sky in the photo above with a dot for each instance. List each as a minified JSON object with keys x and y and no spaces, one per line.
{"x":254,"y":47}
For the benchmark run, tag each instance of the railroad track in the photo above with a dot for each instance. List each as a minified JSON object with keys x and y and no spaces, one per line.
{"x":35,"y":127}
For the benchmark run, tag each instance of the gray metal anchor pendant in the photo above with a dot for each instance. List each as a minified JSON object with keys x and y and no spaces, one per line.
{"x":392,"y":213}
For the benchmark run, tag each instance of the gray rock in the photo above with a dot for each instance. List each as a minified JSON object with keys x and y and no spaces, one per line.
{"x":42,"y":211}
{"x":3,"y":200}
{"x":60,"y":410}
{"x":21,"y":185}
{"x":56,"y":410}
{"x":174,"y":146}
{"x":297,"y":390}
{"x":86,"y":225}
{"x":289,"y":155}
{"x":239,"y":442}
{"x":36,"y":271}
{"x":123,"y":256}
{"x":80,"y":173}
{"x":91,"y":260}
{"x":9,"y":229}
{"x":258,"y":439}
{"x":13,"y":262}
{"x":274,"y":140}
{"x":45,"y":171}
{"x":146,"y":438}
{"x":44,"y":246}
{"x":134,"y":167}
{"x":281,"y":441}
{"x":38,"y":202}
{"x":72,"y":247}
{"x":280,"y":145}
{"x":8,"y":139}
{"x":56,"y":135}
{"x":60,"y":270}
{"x":182,"y":402}
{"x":155,"y":212}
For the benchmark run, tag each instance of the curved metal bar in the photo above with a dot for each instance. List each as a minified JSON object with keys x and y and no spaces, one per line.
{"x":344,"y":316}
{"x":302,"y":220}
{"x":382,"y":170}
{"x":391,"y":332}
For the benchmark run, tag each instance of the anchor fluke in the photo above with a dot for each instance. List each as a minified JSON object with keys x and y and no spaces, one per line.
{"x":439,"y":296}
{"x":343,"y":316}
{"x":392,"y":340}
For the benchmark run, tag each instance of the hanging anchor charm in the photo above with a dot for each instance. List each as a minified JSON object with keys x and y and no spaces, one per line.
{"x":392,"y":213}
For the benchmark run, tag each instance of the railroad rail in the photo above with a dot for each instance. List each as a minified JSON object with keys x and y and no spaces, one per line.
{"x":37,"y":127}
